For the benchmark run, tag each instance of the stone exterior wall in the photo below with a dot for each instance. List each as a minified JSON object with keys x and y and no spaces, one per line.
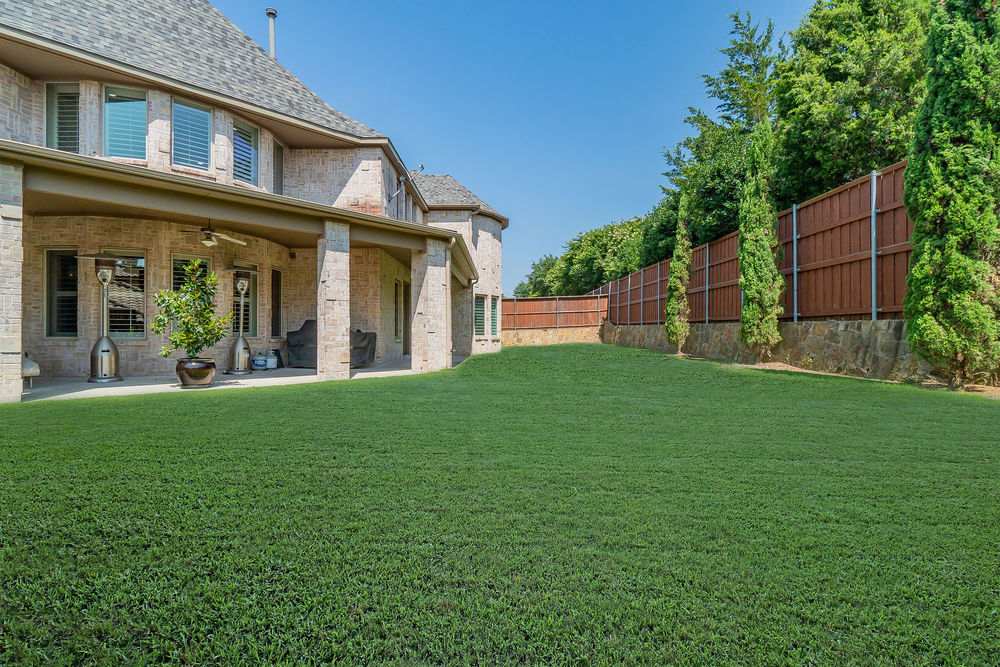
{"x":389,"y":347}
{"x":860,"y":348}
{"x":373,"y":282}
{"x":461,"y":318}
{"x":517,"y":337}
{"x":342,"y":177}
{"x":333,"y":299}
{"x":430,"y":302}
{"x":11,"y":256}
{"x":22,"y":108}
{"x":483,"y":236}
{"x":160,"y":241}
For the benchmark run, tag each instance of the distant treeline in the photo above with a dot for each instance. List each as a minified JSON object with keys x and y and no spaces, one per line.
{"x":842,"y":91}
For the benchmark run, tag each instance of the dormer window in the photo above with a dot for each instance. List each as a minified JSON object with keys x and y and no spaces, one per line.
{"x":125,"y":123}
{"x":192,"y":135}
{"x":245,"y":148}
{"x":62,"y":116}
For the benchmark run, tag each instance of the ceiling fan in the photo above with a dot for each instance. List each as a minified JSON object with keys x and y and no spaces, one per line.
{"x":211,"y":236}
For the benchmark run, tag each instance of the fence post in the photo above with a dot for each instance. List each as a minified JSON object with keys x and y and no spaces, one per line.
{"x":707,"y":246}
{"x":874,"y":249}
{"x":628,"y":306}
{"x":557,"y":311}
{"x":659,"y":313}
{"x":515,"y":313}
{"x":795,"y":262}
{"x":642,"y":280}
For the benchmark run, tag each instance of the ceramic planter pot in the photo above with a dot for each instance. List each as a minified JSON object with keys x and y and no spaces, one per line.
{"x":195,"y":372}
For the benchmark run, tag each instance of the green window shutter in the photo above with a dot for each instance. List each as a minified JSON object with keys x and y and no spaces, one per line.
{"x":493,"y":316}
{"x":479,"y":316}
{"x":245,"y":152}
{"x":125,"y":123}
{"x":61,"y":293}
{"x":62,"y":109}
{"x":127,"y":296}
{"x":279,"y":169}
{"x":192,"y":135}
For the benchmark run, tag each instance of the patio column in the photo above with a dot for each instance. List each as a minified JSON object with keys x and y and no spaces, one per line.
{"x":333,"y":302}
{"x":430,"y":276}
{"x":11,"y":280}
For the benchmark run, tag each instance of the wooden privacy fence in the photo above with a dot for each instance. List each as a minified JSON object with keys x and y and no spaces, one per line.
{"x":829,"y":246}
{"x":553,"y":312}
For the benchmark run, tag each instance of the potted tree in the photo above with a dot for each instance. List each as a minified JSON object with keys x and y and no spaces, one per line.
{"x":188,"y":314}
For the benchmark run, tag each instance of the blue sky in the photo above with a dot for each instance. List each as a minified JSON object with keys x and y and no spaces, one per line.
{"x":555,"y":113}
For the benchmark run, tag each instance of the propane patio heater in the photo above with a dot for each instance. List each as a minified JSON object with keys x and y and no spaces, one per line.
{"x":239,"y":351}
{"x":104,"y":354}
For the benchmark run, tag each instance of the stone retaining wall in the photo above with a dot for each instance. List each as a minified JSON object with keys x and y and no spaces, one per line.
{"x":859,"y":348}
{"x":516,"y":337}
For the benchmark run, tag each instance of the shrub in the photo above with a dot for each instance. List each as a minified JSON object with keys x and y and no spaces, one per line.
{"x":952,"y":195}
{"x":678,"y":310}
{"x":188,"y":313}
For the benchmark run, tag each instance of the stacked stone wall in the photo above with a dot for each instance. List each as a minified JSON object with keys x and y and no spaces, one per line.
{"x":22,"y":111}
{"x":11,"y":267}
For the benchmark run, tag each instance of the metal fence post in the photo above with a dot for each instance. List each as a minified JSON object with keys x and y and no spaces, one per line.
{"x":707,"y":246}
{"x":515,"y":313}
{"x":874,"y":249}
{"x":659,"y":312}
{"x":642,"y":280}
{"x":795,"y":262}
{"x":557,"y":311}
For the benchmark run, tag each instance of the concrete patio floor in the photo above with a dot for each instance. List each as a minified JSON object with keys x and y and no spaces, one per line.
{"x":67,"y":388}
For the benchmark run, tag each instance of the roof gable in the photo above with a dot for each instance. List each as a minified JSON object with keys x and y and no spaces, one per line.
{"x":189,"y":41}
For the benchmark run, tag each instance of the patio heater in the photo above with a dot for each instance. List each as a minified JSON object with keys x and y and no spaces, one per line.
{"x":104,"y":354}
{"x":239,"y":351}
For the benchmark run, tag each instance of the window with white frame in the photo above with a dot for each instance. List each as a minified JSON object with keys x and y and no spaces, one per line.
{"x":124,"y":123}
{"x":191,"y":135}
{"x":249,"y":303}
{"x":127,"y":295}
{"x":62,"y":116}
{"x":245,"y":138}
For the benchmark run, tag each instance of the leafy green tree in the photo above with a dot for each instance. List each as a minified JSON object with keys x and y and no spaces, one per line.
{"x":594,"y":257}
{"x":952,"y":194}
{"x":536,"y":282}
{"x":678,"y":310}
{"x":757,"y":249}
{"x":847,"y":92}
{"x":188,"y":313}
{"x":660,"y":230}
{"x":710,"y":164}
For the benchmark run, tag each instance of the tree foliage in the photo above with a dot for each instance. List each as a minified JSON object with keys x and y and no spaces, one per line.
{"x":678,"y":311}
{"x":757,"y":249}
{"x":847,"y":92}
{"x":952,"y":194}
{"x":188,"y":313}
{"x":536,"y":283}
{"x":595,"y":257}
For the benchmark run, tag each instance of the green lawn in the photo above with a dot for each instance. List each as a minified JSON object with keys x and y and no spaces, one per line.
{"x":580,"y":503}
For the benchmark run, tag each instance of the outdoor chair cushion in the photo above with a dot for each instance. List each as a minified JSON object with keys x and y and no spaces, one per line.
{"x":29,"y":368}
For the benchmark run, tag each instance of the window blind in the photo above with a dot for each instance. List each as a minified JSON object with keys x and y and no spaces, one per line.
{"x":249,"y":304}
{"x":61,"y":287}
{"x":245,"y":152}
{"x":125,"y":123}
{"x":493,"y":315}
{"x":127,"y":296}
{"x":63,"y":117}
{"x":479,"y":316}
{"x":192,"y":136}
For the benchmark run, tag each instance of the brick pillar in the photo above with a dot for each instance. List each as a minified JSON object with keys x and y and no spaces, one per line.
{"x":90,"y":119}
{"x":431,"y":299}
{"x":333,"y":302}
{"x":11,"y":260}
{"x":222,"y":128}
{"x":158,"y":134}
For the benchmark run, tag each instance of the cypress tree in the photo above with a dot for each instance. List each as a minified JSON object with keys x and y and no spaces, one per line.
{"x":677,"y":310}
{"x":952,"y":194}
{"x":760,"y":280}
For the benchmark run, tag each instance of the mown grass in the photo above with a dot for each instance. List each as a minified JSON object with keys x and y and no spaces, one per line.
{"x":582,"y":503}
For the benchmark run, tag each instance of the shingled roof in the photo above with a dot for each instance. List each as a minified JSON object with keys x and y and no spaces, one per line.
{"x":443,"y":191}
{"x":189,"y":41}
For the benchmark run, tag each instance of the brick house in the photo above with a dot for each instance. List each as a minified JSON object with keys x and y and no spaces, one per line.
{"x":128,"y":127}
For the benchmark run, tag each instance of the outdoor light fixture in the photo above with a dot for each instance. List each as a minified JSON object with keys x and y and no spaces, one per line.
{"x":240,"y":350}
{"x":104,"y":354}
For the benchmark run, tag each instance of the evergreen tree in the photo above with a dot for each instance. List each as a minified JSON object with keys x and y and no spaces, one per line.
{"x":677,"y":310}
{"x":757,"y":250}
{"x":847,"y":92}
{"x":535,"y":283}
{"x":952,"y":194}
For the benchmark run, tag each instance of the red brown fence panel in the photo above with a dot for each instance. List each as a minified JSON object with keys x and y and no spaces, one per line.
{"x":553,"y":312}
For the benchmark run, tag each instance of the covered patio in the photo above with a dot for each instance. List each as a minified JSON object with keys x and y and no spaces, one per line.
{"x":341,"y":269}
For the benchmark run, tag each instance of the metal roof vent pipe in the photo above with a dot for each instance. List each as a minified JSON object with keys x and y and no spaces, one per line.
{"x":272,"y":14}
